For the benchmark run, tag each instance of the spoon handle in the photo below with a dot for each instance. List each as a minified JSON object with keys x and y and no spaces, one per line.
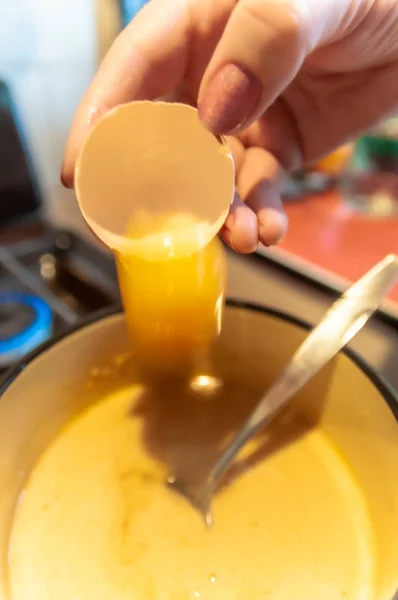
{"x":340,"y":324}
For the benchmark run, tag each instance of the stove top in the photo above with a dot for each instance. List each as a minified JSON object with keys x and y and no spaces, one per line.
{"x":49,"y":279}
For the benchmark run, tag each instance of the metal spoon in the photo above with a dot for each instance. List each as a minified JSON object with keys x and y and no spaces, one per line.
{"x":340,"y":324}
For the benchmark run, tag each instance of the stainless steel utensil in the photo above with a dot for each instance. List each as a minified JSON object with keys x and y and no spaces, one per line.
{"x":340,"y":324}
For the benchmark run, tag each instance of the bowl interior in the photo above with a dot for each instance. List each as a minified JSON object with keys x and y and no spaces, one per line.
{"x":356,"y":411}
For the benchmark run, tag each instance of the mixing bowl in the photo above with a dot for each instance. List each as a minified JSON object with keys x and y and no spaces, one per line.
{"x":349,"y":401}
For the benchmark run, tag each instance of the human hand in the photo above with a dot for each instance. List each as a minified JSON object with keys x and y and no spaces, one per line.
{"x":289,"y":80}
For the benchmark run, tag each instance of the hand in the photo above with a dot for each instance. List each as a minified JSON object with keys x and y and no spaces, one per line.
{"x":289,"y":80}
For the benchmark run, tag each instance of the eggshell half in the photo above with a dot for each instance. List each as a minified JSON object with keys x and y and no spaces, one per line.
{"x":152,"y":181}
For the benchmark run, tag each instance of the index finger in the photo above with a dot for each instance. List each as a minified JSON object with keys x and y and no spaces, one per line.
{"x":147,"y":60}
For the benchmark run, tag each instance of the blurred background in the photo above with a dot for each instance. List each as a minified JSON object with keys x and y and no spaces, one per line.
{"x":49,"y":52}
{"x":343,"y":211}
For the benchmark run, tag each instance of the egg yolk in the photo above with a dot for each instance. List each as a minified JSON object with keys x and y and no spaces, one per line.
{"x":173,"y":306}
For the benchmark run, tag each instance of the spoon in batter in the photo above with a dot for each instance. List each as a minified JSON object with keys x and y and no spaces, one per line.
{"x":341,"y":323}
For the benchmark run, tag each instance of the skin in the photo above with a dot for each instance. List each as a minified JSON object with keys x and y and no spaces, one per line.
{"x":287,"y":80}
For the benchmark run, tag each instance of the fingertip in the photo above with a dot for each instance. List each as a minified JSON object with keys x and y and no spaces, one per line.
{"x":73,"y":145}
{"x":241,"y":228}
{"x":66,"y":177}
{"x":272,"y":225}
{"x":84,"y":120}
{"x":259,"y":186}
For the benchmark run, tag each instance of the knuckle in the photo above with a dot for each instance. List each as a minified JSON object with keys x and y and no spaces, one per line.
{"x":287,"y":19}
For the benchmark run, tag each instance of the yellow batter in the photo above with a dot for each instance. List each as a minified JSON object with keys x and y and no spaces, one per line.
{"x":96,"y":521}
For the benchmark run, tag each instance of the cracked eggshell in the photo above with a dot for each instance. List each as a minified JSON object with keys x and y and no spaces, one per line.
{"x":151,"y":180}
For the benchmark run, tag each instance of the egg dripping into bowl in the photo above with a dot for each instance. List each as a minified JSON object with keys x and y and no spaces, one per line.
{"x":156,"y":187}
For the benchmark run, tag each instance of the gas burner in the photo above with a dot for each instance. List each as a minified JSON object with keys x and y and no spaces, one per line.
{"x":49,"y":281}
{"x":25,"y":322}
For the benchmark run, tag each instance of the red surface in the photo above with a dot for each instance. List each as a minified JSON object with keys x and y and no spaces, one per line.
{"x":328,"y":234}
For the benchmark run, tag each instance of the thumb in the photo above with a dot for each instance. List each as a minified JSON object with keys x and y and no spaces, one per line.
{"x":262,"y":48}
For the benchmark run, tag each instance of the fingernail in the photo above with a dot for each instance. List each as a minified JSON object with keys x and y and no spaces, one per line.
{"x":229,"y":99}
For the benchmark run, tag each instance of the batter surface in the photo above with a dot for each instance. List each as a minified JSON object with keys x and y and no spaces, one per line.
{"x":96,"y":521}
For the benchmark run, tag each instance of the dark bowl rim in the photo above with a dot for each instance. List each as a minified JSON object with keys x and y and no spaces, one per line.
{"x":383,"y":386}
